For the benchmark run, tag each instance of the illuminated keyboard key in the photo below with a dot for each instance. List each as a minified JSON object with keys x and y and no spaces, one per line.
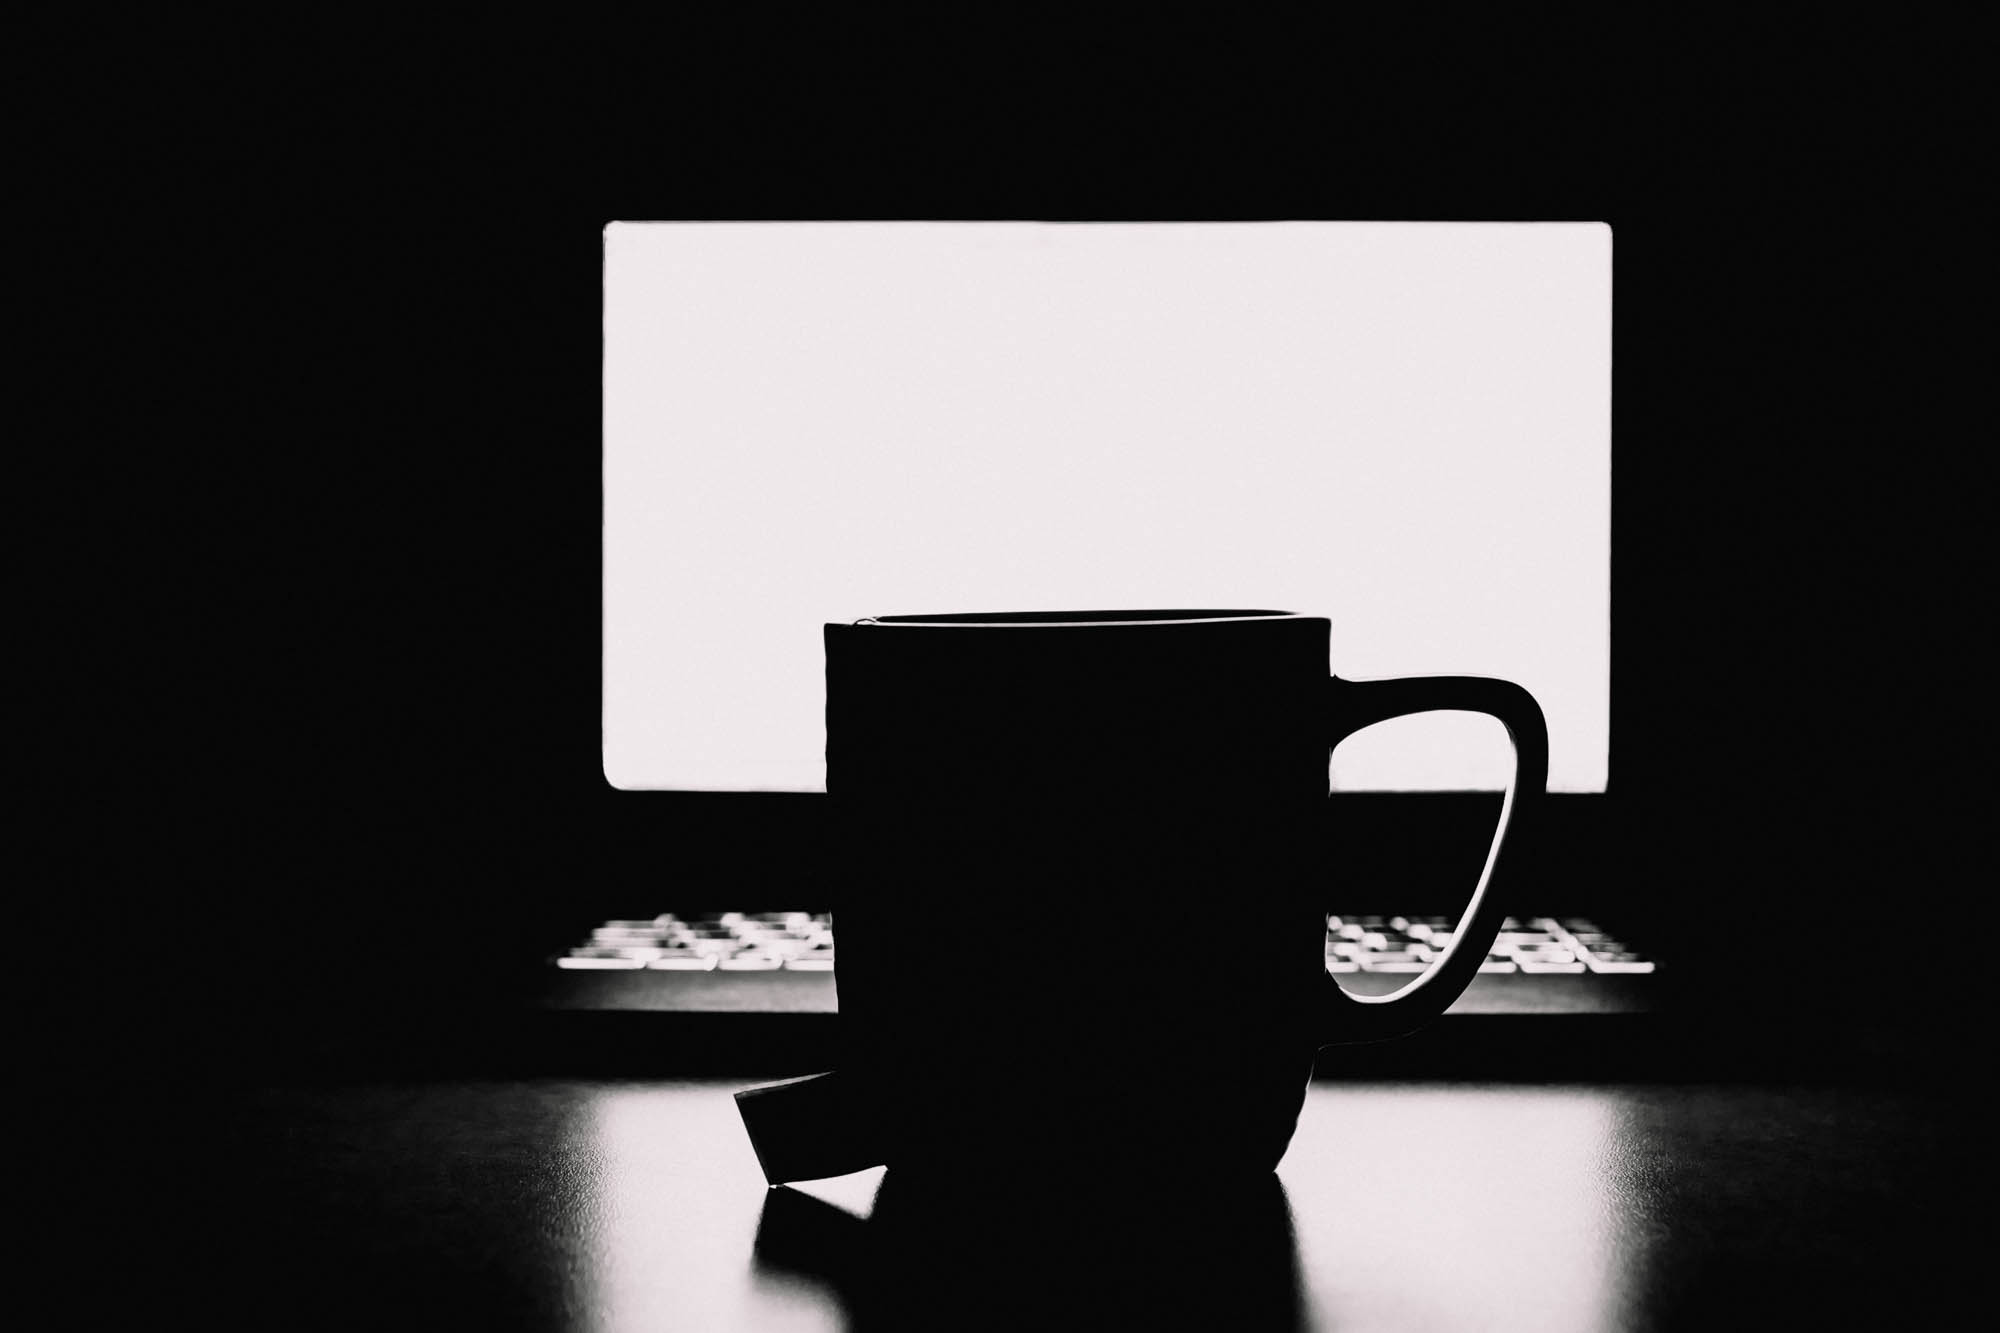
{"x":750,"y":962}
{"x":643,"y":953}
{"x":1625,"y":962}
{"x":614,"y":939}
{"x":684,"y":962}
{"x":1393,"y":963}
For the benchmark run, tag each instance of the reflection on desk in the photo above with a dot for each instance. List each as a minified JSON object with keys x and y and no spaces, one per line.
{"x":627,"y":1205}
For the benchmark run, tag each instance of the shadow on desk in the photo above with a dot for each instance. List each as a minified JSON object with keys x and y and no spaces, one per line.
{"x":934,"y":1255}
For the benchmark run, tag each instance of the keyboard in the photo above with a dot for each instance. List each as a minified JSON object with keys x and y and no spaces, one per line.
{"x":784,"y":962}
{"x":724,"y":941}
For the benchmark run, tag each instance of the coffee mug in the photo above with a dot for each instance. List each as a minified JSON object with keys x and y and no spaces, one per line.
{"x":1037,"y":812}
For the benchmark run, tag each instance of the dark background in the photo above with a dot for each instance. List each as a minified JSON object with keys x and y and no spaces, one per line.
{"x":343,"y":753}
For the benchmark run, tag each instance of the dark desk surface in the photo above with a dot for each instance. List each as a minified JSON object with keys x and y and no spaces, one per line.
{"x":636,"y":1205}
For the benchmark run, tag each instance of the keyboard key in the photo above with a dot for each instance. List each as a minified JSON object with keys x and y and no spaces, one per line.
{"x":642,"y":953}
{"x":750,"y":962}
{"x":1617,"y":962}
{"x":634,"y":940}
{"x":784,"y":946}
{"x":1608,"y":948}
{"x":721,"y":948}
{"x":684,"y":962}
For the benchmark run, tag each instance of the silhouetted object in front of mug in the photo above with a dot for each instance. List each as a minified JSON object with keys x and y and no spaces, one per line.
{"x":1058,"y":1253}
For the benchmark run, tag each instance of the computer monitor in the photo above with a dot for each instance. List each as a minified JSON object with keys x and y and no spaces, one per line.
{"x":1404,"y":427}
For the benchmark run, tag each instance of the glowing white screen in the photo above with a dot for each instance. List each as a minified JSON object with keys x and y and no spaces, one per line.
{"x":1404,"y":427}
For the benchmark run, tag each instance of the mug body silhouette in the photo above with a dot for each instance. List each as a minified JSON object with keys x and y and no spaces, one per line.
{"x":1080,"y":899}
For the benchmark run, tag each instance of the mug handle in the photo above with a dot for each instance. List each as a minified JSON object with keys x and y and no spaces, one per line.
{"x":1358,"y":704}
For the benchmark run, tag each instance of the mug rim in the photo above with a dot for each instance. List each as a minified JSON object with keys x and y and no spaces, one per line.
{"x":1074,"y":619}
